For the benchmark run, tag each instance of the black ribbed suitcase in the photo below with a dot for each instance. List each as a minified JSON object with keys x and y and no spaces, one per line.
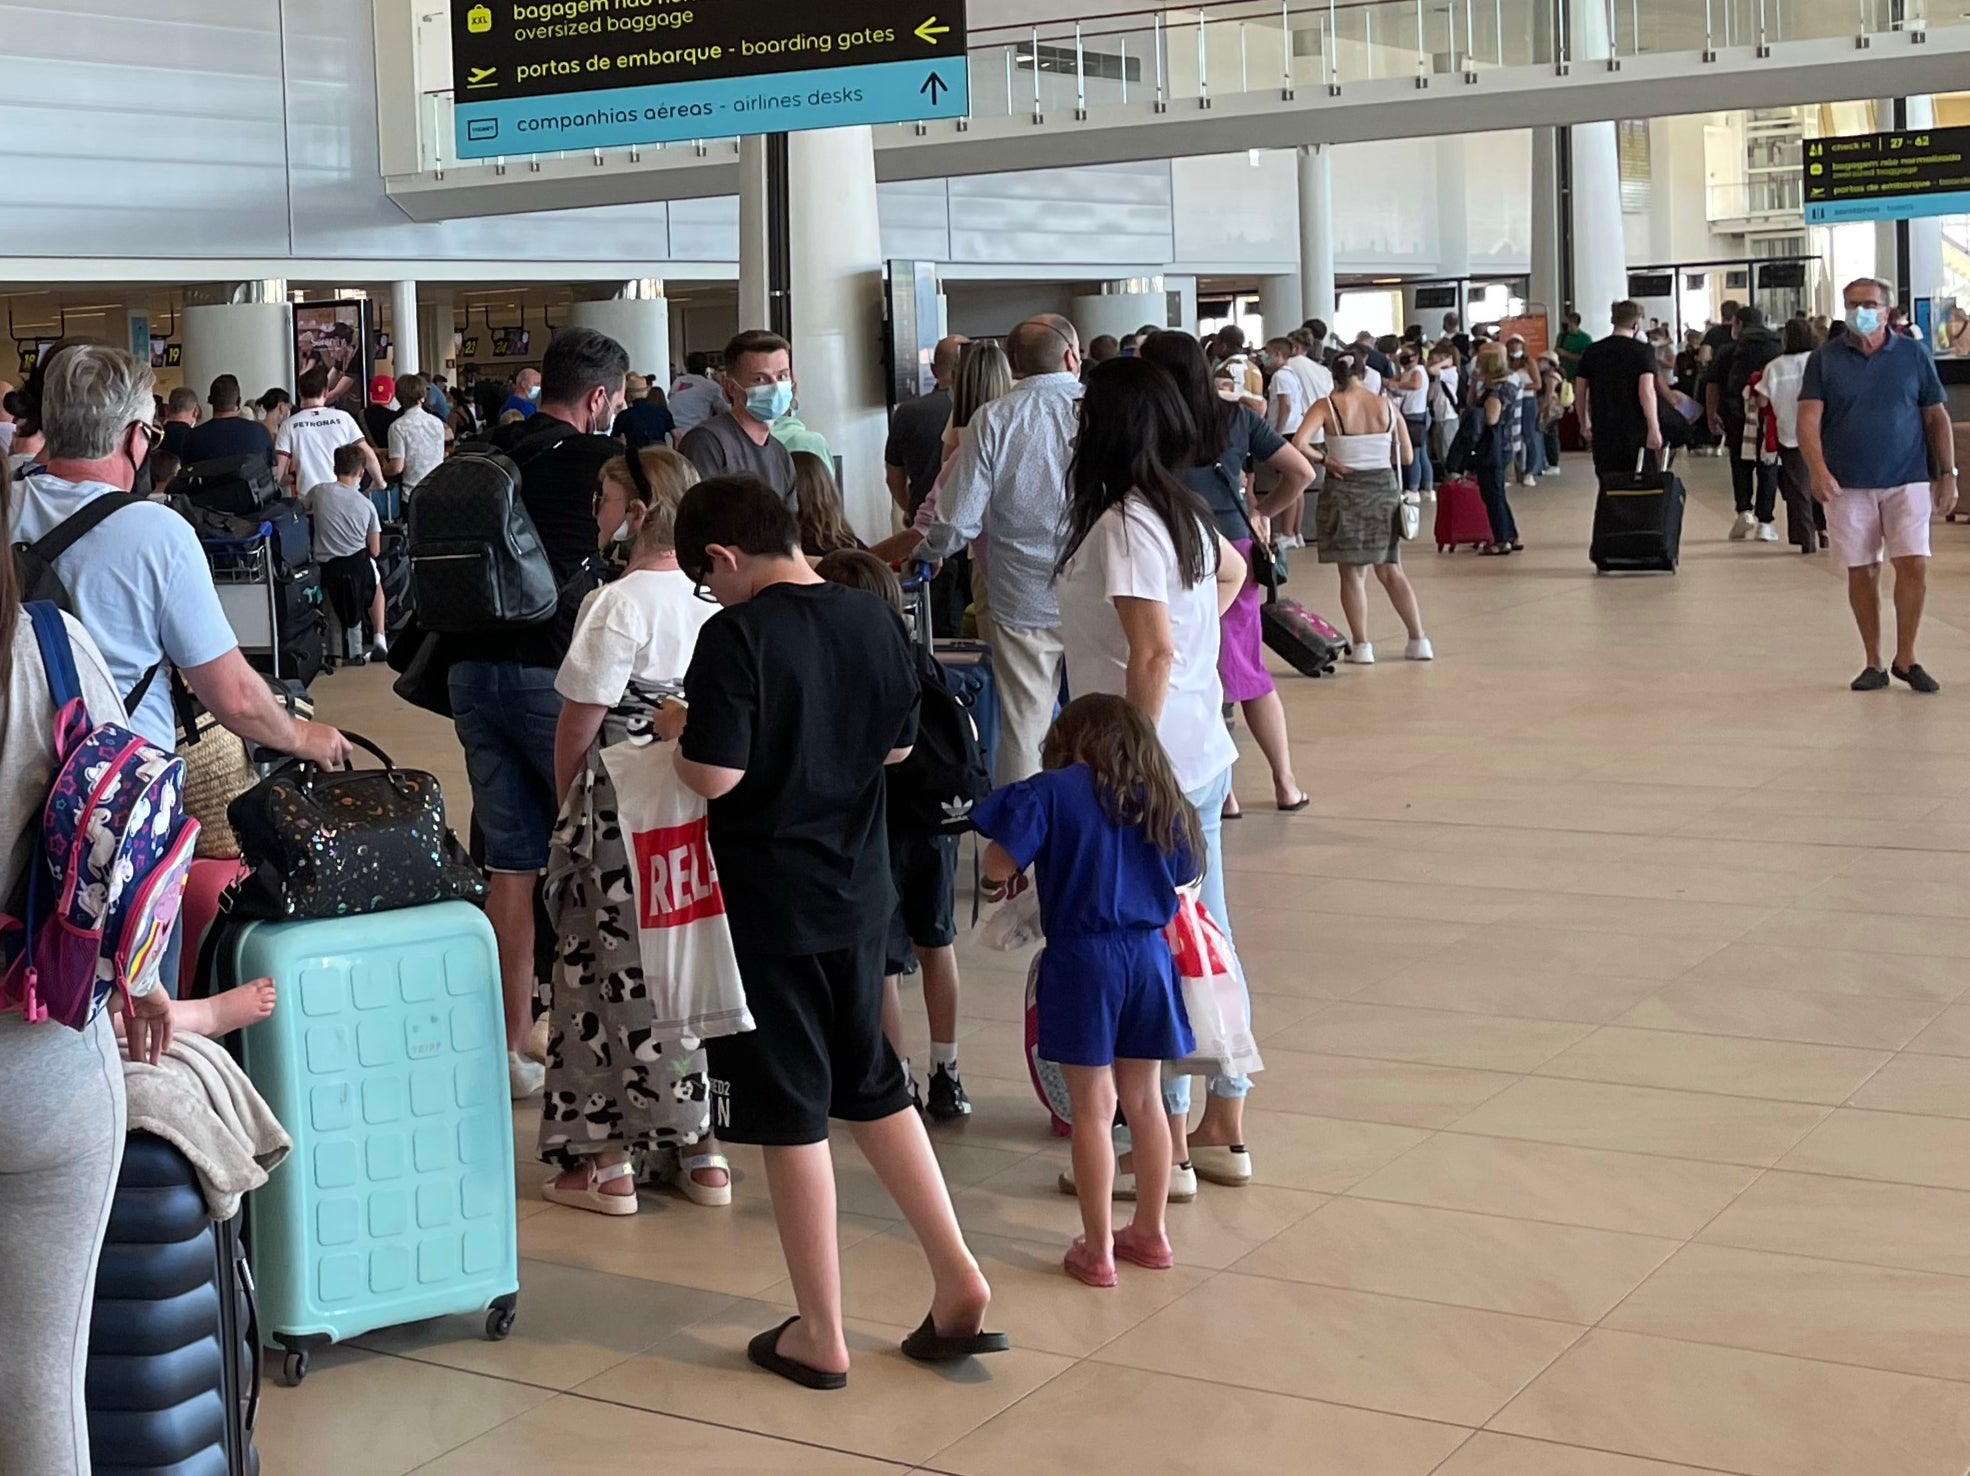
{"x":1638,"y":522}
{"x":174,"y":1357}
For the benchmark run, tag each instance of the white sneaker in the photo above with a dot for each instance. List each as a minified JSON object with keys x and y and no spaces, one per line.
{"x":1767,"y":533}
{"x":1183,"y":1185}
{"x":536,"y":1049}
{"x":525,"y":1077}
{"x":1744,"y":527}
{"x":1419,"y":650}
{"x":1362,"y":655}
{"x":379,"y":646}
{"x":1528,"y":481}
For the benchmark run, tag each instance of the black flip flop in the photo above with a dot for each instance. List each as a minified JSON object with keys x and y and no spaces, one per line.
{"x":1305,"y":799}
{"x":764,"y":1352}
{"x":928,"y":1345}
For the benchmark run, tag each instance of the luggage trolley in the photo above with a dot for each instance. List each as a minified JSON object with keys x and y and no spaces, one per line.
{"x":244,"y":572}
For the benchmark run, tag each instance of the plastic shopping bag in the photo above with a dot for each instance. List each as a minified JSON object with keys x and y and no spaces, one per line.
{"x":1013,"y":924}
{"x":689,"y":966}
{"x":1214,"y":993}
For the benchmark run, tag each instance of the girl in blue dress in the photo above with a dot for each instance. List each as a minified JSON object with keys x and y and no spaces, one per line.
{"x":1108,"y":831}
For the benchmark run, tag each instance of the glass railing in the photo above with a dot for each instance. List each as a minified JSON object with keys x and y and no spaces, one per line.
{"x":1172,"y":58}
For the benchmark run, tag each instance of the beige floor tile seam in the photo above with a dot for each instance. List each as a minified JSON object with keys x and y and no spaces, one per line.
{"x":1452,"y":1130}
{"x":1594,"y":1450}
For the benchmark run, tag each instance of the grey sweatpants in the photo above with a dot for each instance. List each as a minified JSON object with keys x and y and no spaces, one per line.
{"x":61,"y":1145}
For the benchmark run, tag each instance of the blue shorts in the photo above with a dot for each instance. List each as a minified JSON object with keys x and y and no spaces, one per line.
{"x":1110,"y":996}
{"x":506,"y":715}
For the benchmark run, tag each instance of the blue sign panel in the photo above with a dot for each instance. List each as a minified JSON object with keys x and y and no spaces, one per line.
{"x":534,"y":76}
{"x":785,"y":102}
{"x":1888,"y":176}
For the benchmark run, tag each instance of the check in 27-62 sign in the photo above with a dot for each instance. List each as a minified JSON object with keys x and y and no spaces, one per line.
{"x":532,"y":76}
{"x":1888,"y":176}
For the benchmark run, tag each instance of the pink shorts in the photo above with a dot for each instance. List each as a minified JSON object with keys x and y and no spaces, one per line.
{"x":1864,"y":520}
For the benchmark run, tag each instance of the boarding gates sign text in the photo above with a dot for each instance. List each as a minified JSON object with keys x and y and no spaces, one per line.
{"x":1888,"y":176}
{"x":534,"y":76}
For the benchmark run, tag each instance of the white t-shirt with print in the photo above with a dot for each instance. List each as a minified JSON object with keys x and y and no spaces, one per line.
{"x":312,"y":438}
{"x":1129,"y":555}
{"x":643,"y":627}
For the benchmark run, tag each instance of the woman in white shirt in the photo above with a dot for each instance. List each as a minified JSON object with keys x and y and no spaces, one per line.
{"x":1142,"y":585}
{"x":632,"y":643}
{"x":1778,"y":386}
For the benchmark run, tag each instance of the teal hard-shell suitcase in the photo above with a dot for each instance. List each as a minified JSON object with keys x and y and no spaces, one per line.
{"x":386,"y":1061}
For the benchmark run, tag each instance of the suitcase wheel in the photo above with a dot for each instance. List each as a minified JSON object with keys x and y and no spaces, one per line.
{"x":294,"y":1368}
{"x":499,"y":1318}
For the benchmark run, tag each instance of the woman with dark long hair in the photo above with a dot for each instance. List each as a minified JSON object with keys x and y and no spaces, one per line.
{"x":1230,"y":441}
{"x":1144,"y":581}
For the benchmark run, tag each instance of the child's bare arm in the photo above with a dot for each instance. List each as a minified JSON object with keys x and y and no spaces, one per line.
{"x":1003,"y":876}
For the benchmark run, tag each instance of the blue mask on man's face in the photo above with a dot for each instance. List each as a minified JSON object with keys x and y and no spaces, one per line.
{"x":767,"y":403}
{"x":1864,"y":321}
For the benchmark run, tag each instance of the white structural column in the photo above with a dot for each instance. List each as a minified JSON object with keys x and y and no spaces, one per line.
{"x":1545,"y":287}
{"x":404,"y":335}
{"x":1600,"y":242}
{"x":754,"y":308}
{"x":1317,"y":294}
{"x":1119,"y":309}
{"x":640,"y":324}
{"x":1281,"y":304}
{"x":252,"y":340}
{"x":435,"y":326}
{"x":837,"y":310}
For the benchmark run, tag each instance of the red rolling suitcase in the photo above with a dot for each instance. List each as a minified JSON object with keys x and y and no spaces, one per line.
{"x":1460,"y":515}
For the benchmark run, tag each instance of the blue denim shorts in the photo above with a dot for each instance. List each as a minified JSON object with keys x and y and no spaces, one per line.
{"x":506,"y":715}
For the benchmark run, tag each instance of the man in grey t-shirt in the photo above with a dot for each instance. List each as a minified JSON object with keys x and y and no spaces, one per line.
{"x":758,"y":381}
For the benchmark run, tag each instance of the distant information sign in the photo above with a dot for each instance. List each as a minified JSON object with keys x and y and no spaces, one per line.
{"x":532,"y":76}
{"x":1888,"y":176}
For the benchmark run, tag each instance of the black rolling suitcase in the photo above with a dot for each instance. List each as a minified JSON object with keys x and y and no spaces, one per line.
{"x":174,"y":1342}
{"x":1638,"y":521}
{"x":240,"y":485}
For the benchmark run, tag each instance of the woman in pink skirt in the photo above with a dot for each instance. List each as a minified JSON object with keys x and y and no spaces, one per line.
{"x":1232,"y":440}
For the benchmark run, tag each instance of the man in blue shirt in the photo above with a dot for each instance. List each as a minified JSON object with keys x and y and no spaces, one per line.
{"x":526,"y":394}
{"x":1877,"y":441}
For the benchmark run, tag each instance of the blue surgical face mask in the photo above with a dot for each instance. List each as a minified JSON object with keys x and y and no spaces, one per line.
{"x":766,"y":403}
{"x":1864,"y":320}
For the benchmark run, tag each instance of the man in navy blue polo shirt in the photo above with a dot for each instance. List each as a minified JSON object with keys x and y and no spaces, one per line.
{"x":1877,"y":440}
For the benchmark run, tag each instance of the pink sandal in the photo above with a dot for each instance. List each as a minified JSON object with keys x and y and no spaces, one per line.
{"x":1081,"y":1264}
{"x":1151,"y":1255}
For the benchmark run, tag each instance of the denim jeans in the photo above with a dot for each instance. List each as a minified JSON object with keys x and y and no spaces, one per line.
{"x":1491,"y":484}
{"x":506,"y":714}
{"x":1532,"y":454}
{"x":1209,"y":800}
{"x":1419,"y":473}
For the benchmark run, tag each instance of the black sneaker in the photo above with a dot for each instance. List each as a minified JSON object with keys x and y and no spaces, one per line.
{"x":1871,"y":680}
{"x":1917,"y":678}
{"x":916,"y":1093}
{"x":947,"y":1098}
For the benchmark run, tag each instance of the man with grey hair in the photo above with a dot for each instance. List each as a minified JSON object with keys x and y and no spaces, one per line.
{"x":1877,"y":441}
{"x":135,"y":574}
{"x":1010,"y":482}
{"x":136,"y":577}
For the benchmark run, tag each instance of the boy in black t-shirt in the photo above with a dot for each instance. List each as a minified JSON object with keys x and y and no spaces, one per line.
{"x":800,"y":693}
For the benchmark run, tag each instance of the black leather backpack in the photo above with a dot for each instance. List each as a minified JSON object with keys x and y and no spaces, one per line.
{"x":477,"y":565}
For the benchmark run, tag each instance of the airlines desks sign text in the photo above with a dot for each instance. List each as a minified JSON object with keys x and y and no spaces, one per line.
{"x":532,"y":76}
{"x":1888,"y":176}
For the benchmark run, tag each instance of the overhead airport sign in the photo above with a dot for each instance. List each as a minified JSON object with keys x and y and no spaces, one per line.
{"x":1888,"y":176}
{"x":534,"y":76}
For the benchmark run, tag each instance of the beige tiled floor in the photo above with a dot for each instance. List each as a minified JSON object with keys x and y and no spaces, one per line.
{"x":1617,"y":1122}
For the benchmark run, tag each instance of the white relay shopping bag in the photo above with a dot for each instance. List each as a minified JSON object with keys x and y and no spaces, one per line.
{"x":1214,"y":993}
{"x":688,"y":963}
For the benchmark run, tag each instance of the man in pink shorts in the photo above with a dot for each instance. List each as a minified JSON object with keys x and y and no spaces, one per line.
{"x":1876,"y":437}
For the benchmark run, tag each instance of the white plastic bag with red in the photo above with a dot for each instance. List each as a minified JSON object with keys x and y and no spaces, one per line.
{"x":689,"y":965}
{"x":1214,"y":993}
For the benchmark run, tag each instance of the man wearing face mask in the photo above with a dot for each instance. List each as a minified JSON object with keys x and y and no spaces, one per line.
{"x":502,"y":687}
{"x":739,"y":441}
{"x":1875,"y":433}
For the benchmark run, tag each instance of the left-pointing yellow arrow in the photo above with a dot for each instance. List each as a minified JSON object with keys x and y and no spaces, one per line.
{"x":929,"y":31}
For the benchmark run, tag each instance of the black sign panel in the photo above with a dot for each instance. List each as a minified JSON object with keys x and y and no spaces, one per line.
{"x":504,"y":49}
{"x":1435,"y":297}
{"x":1888,"y":176}
{"x":1782,"y":274}
{"x":1642,"y":285}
